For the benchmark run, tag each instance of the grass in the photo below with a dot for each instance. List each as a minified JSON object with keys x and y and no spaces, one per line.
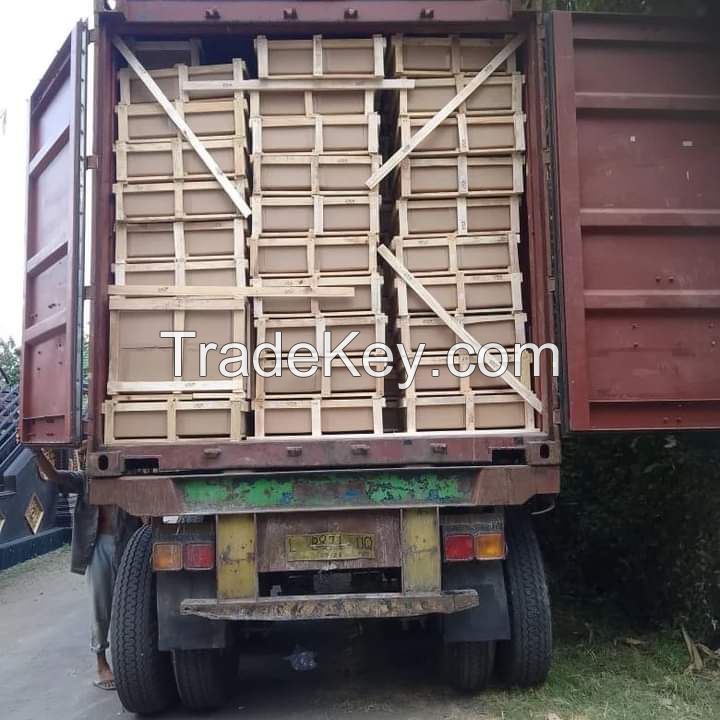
{"x":601,"y":671}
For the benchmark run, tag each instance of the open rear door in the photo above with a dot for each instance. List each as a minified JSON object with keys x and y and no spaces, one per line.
{"x":51,"y":384}
{"x":637,"y":151}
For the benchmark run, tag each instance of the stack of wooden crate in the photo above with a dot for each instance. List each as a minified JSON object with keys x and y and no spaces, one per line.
{"x":179,"y":254}
{"x":457,"y":227}
{"x":315,"y":224}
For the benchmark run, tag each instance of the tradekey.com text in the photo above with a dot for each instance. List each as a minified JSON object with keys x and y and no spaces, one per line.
{"x":304,"y":360}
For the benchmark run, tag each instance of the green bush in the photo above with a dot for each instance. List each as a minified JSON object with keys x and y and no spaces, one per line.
{"x":638,"y":521}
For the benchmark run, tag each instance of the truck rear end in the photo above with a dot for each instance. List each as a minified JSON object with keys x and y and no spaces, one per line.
{"x":273,"y":501}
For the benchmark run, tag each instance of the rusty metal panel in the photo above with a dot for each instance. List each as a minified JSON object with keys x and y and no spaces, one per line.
{"x":637,"y":121}
{"x":272,"y":531}
{"x":52,"y":326}
{"x":320,"y":14}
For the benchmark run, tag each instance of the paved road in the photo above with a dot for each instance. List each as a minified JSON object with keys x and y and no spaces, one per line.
{"x":46,"y":667}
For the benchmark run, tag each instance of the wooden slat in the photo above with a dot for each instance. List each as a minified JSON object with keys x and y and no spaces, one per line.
{"x":183,"y":127}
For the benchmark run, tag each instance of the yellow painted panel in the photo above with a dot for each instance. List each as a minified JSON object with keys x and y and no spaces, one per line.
{"x":420,"y":550}
{"x":236,"y":566}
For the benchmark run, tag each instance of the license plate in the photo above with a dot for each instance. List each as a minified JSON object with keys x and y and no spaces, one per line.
{"x":330,"y":546}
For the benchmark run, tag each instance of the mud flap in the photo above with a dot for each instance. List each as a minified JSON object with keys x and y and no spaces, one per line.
{"x":490,"y":620}
{"x":186,"y":632}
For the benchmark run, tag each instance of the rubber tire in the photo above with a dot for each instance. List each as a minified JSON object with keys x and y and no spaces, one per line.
{"x":143,"y":674}
{"x":468,"y":666}
{"x":524,"y":660}
{"x":204,"y":677}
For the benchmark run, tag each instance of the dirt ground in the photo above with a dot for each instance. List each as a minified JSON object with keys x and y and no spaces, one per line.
{"x":46,"y":670}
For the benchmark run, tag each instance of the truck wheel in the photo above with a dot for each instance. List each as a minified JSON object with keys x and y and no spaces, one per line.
{"x":468,"y":666}
{"x":204,"y":677}
{"x":143,"y":674}
{"x":525,"y":659}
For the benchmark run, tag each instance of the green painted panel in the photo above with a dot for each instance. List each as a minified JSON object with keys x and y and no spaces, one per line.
{"x":225,"y":493}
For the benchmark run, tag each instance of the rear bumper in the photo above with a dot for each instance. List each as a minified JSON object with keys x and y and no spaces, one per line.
{"x":326,"y":607}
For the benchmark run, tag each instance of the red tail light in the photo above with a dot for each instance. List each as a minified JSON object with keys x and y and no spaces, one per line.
{"x":199,"y":556}
{"x":459,"y":547}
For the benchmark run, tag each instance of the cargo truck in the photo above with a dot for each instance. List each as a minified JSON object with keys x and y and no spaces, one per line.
{"x":617,"y":207}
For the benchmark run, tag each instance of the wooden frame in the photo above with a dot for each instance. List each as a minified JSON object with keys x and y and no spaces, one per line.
{"x":330,"y":386}
{"x":472,"y":383}
{"x":173,"y":202}
{"x":460,"y":175}
{"x":174,"y":409}
{"x":314,"y":57}
{"x":303,"y":256}
{"x":433,"y":255}
{"x":482,"y":101}
{"x":468,"y":134}
{"x":180,"y":52}
{"x":372,"y":329}
{"x":312,"y":174}
{"x":180,"y":273}
{"x":179,"y":306}
{"x":445,"y":55}
{"x":309,"y":103}
{"x":468,"y":404}
{"x":314,"y":413}
{"x":179,"y":160}
{"x":172,"y":82}
{"x":187,"y":133}
{"x":177,"y":241}
{"x":208,"y":119}
{"x":509,"y":329}
{"x":366,"y":300}
{"x":318,"y":206}
{"x":464,"y":293}
{"x":314,"y":135}
{"x":465,"y":219}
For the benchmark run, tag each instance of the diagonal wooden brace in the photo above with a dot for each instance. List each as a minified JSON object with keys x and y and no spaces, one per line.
{"x":393,"y":161}
{"x":183,"y":127}
{"x":424,"y":294}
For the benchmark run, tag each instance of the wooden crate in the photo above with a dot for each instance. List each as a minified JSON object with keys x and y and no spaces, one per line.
{"x":220,"y":239}
{"x":321,"y":134}
{"x":143,"y":361}
{"x":464,"y":293}
{"x":318,"y":416}
{"x":460,"y":175}
{"x":302,"y":256}
{"x":468,"y":134}
{"x":321,"y":57}
{"x":171,"y":82}
{"x":310,"y":330}
{"x":433,"y":376}
{"x":313,"y":174}
{"x":498,"y":95}
{"x":340,"y":382}
{"x":168,"y":160}
{"x":469,"y":412}
{"x":311,"y":103}
{"x":318,"y":215}
{"x":158,"y":54}
{"x":367,"y":299}
{"x":458,"y":253}
{"x":150,"y":419}
{"x":226,"y":272}
{"x":463,"y":216}
{"x":507,"y":330}
{"x":178,"y":200}
{"x":148,"y":122}
{"x":445,"y":55}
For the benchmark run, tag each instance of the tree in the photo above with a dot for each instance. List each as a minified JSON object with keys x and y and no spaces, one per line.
{"x":9,"y":361}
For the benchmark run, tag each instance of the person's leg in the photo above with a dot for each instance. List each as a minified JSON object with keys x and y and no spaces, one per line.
{"x":101,"y":577}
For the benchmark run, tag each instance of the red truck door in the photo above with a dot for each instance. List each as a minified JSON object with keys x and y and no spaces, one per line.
{"x":636,"y":114}
{"x":51,"y":389}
